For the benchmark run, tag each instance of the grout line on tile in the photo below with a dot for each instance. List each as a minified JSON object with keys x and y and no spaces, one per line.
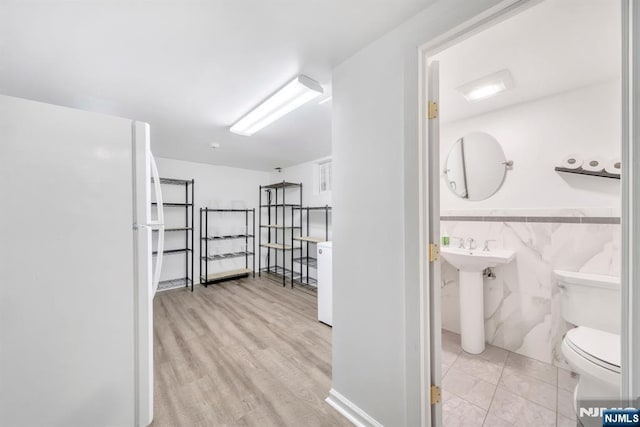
{"x":486,"y":411}
{"x":496,"y":389}
{"x":504,"y":364}
{"x":527,"y":375}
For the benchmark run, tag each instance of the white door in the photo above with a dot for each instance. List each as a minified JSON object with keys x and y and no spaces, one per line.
{"x":433,"y":227}
{"x":145,"y":171}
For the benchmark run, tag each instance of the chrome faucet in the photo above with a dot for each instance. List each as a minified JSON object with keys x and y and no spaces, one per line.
{"x":486,"y":245}
{"x":472,"y":244}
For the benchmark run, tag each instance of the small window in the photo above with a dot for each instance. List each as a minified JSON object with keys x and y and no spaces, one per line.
{"x":324,"y":176}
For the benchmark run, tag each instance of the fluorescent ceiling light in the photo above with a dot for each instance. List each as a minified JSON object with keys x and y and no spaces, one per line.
{"x":297,"y":92}
{"x":487,"y":86}
{"x":327,"y":99}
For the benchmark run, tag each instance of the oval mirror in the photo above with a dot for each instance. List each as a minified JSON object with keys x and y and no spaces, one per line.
{"x":475,"y":167}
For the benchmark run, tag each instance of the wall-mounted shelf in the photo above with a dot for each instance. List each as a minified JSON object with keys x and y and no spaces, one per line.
{"x":581,"y":171}
{"x":205,"y":239}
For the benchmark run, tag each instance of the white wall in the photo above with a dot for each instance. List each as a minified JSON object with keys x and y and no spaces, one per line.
{"x":307,"y":174}
{"x":537,"y":135}
{"x":221,"y":183}
{"x":375,"y":198}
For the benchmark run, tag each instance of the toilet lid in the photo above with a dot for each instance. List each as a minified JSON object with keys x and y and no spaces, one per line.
{"x":602,"y":348}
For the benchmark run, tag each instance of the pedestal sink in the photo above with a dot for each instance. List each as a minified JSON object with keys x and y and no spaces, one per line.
{"x":471,"y":264}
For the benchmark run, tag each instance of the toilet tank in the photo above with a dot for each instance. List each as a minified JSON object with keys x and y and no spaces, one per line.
{"x":591,"y":300}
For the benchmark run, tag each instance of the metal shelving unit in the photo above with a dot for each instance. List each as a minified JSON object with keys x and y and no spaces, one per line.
{"x":205,"y":239}
{"x":306,"y":261}
{"x":279,"y":231}
{"x":187,"y":229}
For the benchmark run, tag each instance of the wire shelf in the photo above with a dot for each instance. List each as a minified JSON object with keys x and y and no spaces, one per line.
{"x":205,"y":240}
{"x":229,"y":255}
{"x":173,"y":181}
{"x":226,"y":210}
{"x":173,"y":251}
{"x":168,"y":230}
{"x":283,"y":184}
{"x":166,"y":285}
{"x":311,"y":262}
{"x":169,"y":204}
{"x":229,"y":237}
{"x":277,"y":270}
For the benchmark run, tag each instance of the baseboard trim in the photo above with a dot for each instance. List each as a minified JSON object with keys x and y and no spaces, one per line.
{"x":350,"y":411}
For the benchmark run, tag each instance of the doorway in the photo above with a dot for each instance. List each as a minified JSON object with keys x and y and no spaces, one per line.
{"x":530,"y":224}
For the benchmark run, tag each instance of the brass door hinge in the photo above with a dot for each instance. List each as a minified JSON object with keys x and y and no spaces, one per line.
{"x":432,"y":108}
{"x":435,"y":395}
{"x":434,"y":252}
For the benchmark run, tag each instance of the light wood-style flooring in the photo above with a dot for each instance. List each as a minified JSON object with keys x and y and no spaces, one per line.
{"x":241,"y":353}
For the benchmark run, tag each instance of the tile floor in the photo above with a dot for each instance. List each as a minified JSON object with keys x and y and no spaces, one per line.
{"x":499,"y":388}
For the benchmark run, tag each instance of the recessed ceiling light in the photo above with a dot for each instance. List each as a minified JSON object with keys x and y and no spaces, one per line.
{"x":325,"y":100}
{"x":487,"y":86}
{"x":214,"y":145}
{"x":294,"y":94}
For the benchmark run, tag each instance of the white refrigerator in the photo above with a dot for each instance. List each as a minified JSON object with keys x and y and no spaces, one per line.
{"x":76,"y":267}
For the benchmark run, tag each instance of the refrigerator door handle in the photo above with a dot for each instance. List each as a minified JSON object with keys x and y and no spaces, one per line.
{"x":159,"y":225}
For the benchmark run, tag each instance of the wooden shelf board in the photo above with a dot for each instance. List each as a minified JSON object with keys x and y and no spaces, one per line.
{"x":276,"y":246}
{"x":309,"y":239}
{"x":227,"y":274}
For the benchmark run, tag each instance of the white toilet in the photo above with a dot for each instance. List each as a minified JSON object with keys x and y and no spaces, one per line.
{"x":592,"y":303}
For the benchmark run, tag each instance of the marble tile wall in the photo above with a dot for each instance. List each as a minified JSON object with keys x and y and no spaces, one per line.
{"x":522,"y":303}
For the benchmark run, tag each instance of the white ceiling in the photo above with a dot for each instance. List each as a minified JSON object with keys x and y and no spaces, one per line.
{"x":553,"y":47}
{"x":191,"y":68}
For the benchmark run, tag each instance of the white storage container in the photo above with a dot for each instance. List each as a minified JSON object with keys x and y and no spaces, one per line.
{"x":325,"y":283}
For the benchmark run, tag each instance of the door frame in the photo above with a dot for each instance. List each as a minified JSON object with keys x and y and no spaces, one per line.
{"x":430,"y":308}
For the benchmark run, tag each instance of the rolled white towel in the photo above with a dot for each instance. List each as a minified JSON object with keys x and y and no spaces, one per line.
{"x":613,"y":167}
{"x":594,"y":164}
{"x":571,"y":162}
